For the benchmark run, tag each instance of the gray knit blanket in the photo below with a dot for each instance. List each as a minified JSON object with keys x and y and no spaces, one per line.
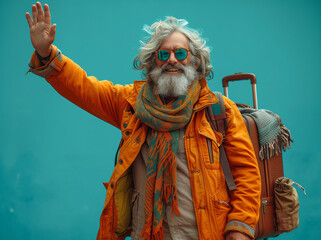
{"x":273,"y":135}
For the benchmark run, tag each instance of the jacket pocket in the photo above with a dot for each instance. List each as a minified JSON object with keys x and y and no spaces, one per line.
{"x":221,"y":207}
{"x":123,"y":196}
{"x":210,"y":142}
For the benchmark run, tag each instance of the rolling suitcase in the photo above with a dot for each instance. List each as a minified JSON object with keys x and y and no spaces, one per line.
{"x":270,"y":169}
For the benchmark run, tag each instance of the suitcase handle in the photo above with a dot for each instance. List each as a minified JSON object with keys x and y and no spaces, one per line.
{"x":239,"y":77}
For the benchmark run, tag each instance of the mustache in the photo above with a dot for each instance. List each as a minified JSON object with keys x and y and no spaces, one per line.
{"x":169,"y":66}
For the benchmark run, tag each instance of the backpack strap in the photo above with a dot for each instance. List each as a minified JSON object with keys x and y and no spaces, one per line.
{"x":216,"y":116}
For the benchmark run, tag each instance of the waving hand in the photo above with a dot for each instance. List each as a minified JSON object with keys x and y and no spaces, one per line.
{"x":42,"y":33}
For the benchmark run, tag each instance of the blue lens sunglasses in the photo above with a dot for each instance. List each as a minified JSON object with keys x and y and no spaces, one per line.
{"x":180,"y":54}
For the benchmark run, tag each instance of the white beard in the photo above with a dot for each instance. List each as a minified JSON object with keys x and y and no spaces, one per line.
{"x":173,"y":85}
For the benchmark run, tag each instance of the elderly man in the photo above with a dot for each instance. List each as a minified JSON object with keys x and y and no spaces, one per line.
{"x":166,"y":183}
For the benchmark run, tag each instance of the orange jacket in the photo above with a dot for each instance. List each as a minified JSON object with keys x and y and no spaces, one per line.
{"x":216,"y":211}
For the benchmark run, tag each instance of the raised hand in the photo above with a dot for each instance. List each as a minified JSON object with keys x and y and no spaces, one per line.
{"x":42,"y":33}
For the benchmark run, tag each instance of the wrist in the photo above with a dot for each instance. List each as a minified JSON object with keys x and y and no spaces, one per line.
{"x":43,"y":57}
{"x":43,"y":54}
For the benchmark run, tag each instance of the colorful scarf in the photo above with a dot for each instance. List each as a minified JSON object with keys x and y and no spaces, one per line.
{"x":165,"y":122}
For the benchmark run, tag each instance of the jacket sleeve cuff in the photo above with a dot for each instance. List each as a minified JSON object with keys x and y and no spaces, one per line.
{"x":55,"y":63}
{"x":239,"y":227}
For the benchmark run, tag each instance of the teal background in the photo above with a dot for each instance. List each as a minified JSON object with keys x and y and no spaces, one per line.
{"x":55,"y":156}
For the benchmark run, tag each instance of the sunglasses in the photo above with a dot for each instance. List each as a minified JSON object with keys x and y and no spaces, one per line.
{"x":180,"y":54}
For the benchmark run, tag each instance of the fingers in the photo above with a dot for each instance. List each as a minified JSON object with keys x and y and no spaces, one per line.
{"x":47,"y":14}
{"x":41,"y":15}
{"x":34,"y":14}
{"x":38,"y":14}
{"x":52,"y":31}
{"x":29,"y":19}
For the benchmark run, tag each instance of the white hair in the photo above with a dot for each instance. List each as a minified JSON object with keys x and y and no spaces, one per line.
{"x":158,"y":31}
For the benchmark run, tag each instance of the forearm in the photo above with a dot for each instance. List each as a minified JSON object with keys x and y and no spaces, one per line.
{"x":100,"y":98}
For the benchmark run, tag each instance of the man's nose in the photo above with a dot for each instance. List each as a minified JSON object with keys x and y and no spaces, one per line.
{"x":172,"y":59}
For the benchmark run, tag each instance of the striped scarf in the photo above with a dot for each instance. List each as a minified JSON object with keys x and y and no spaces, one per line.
{"x":165,"y":122}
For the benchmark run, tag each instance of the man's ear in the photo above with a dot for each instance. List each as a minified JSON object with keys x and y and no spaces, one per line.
{"x":198,"y":62}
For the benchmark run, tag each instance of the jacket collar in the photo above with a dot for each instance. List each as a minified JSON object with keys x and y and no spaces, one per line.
{"x":206,"y":98}
{"x":131,"y":98}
